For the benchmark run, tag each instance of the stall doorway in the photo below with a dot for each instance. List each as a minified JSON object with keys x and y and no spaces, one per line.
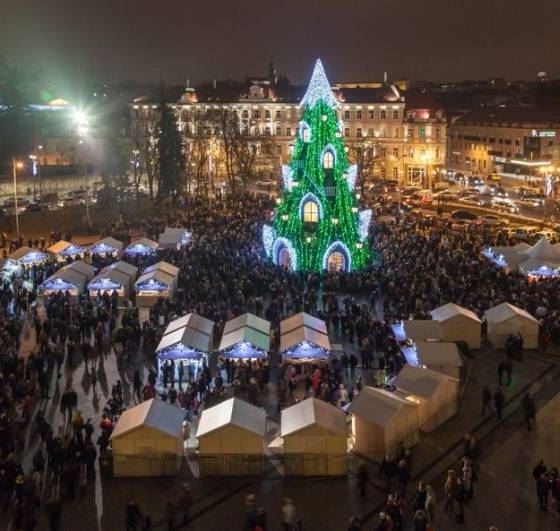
{"x":336,"y":262}
{"x":285,"y":259}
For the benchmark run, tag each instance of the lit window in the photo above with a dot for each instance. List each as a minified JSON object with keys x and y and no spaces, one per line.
{"x":311,"y":212}
{"x":306,"y":134}
{"x":328,"y":160}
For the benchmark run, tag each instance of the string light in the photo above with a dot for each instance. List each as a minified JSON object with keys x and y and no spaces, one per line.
{"x":363,"y":227}
{"x":268,"y":236}
{"x":319,"y":89}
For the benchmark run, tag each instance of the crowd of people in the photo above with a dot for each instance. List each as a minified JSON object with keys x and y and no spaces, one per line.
{"x":223,"y":273}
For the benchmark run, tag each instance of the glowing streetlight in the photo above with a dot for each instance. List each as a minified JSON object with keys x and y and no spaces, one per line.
{"x":81,"y":120}
{"x":16,"y":165}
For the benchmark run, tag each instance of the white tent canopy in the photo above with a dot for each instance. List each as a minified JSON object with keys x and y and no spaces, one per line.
{"x":65,"y":279}
{"x":188,"y":337}
{"x":106,"y":245}
{"x":304,"y":337}
{"x":312,"y":412}
{"x":157,"y":276}
{"x":302,"y":319}
{"x":27,"y":255}
{"x":458,"y":324}
{"x":232,"y":412}
{"x":141,"y":246}
{"x":529,"y":260}
{"x":174,"y":238}
{"x":246,"y":336}
{"x":82,"y":267}
{"x":422,"y":329}
{"x":543,"y":250}
{"x":166,"y":267}
{"x":441,"y":357}
{"x":117,"y":277}
{"x":506,"y":319}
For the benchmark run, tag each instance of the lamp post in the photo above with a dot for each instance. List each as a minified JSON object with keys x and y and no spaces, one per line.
{"x":15,"y":166}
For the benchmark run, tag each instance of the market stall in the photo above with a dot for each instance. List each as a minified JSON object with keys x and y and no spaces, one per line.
{"x":148,"y":440}
{"x":231,"y":439}
{"x":458,"y":324}
{"x":315,"y":439}
{"x":118,"y":277}
{"x":417,"y":330}
{"x":26,"y":256}
{"x":245,"y":337}
{"x":141,"y":247}
{"x":381,"y":422}
{"x":10,"y":268}
{"x":106,"y":247}
{"x":441,"y":357}
{"x":506,"y":319}
{"x":174,"y":238}
{"x":154,"y":285}
{"x":71,"y":279}
{"x":166,"y":267}
{"x":304,"y":338}
{"x":436,"y":394}
{"x":188,"y":339}
{"x":62,"y":250}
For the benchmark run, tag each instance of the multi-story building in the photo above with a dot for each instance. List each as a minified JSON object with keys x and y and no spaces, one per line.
{"x":387,"y":138}
{"x":520,"y":144}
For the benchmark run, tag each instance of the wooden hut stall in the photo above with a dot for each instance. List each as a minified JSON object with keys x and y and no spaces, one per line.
{"x":148,"y":440}
{"x":152,"y":286}
{"x":506,"y":319}
{"x":304,"y":339}
{"x":458,"y":324}
{"x":141,"y":247}
{"x":174,"y":238}
{"x":315,"y":439}
{"x":187,"y":339}
{"x":166,"y":267}
{"x":381,"y":422}
{"x":441,"y":357}
{"x":62,"y":250}
{"x":417,"y":330}
{"x":118,"y":277}
{"x":106,"y":247}
{"x":245,"y":337}
{"x":231,"y":439}
{"x":71,"y":279}
{"x":436,"y":394}
{"x":26,"y":256}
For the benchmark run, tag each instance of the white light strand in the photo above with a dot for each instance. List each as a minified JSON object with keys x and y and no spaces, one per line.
{"x":278,"y":245}
{"x":339,"y":247}
{"x":287,"y":177}
{"x":309,"y":196}
{"x":351,"y":176}
{"x":363,"y":225}
{"x":319,"y":89}
{"x":268,"y":236}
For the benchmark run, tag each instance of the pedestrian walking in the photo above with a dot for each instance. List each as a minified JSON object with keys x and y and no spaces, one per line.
{"x":529,"y":410}
{"x":499,"y":401}
{"x":363,"y":479}
{"x":486,"y":399}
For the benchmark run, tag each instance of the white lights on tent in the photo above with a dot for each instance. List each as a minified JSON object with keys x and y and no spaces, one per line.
{"x":363,"y":226}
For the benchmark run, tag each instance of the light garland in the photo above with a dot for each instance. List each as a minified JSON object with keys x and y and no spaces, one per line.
{"x":319,"y":89}
{"x":268,"y":237}
{"x":338,"y":247}
{"x":310,"y":196}
{"x":284,"y":243}
{"x":287,"y":177}
{"x":363,"y":225}
{"x":351,"y":176}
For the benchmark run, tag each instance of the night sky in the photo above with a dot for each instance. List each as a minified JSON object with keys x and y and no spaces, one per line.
{"x":113,"y":40}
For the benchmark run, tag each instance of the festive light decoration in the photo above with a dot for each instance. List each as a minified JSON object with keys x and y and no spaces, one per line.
{"x":321,"y":169}
{"x":268,"y":236}
{"x":103,"y":248}
{"x":319,"y":89}
{"x":287,"y":178}
{"x":351,"y":176}
{"x":139,"y":249}
{"x":57,"y":284}
{"x":72,"y":250}
{"x":363,"y":227}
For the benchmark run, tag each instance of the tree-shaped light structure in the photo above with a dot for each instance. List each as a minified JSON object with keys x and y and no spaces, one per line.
{"x":318,"y":224}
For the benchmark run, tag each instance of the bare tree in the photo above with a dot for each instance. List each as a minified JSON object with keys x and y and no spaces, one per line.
{"x":368,"y":157}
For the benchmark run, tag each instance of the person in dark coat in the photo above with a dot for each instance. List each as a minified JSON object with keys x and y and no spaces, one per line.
{"x":499,"y":401}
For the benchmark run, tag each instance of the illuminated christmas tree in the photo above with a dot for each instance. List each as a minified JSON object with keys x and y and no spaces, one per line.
{"x":318,"y":225}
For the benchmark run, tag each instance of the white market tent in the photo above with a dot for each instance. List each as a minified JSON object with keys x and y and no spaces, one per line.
{"x":540,"y":260}
{"x":436,"y":394}
{"x":64,"y":280}
{"x":188,"y":339}
{"x":315,"y":439}
{"x":543,"y":250}
{"x":117,"y":277}
{"x":166,"y":267}
{"x":63,"y":249}
{"x":246,"y":336}
{"x":153,"y":285}
{"x":458,"y":324}
{"x":442,"y":357}
{"x":304,"y":338}
{"x":28,"y":256}
{"x":505,"y":319}
{"x":148,"y":440}
{"x":417,"y":330}
{"x":228,"y":430}
{"x":82,"y":267}
{"x":106,"y":246}
{"x":174,"y":238}
{"x":381,"y":421}
{"x":9,"y":268}
{"x":141,"y":246}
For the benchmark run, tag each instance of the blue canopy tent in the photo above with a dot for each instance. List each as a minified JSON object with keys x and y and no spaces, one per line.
{"x":304,"y":338}
{"x":28,"y":256}
{"x":71,"y":278}
{"x":141,"y":247}
{"x":63,"y":249}
{"x":153,"y":285}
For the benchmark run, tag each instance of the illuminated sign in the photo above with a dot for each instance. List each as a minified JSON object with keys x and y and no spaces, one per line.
{"x":543,"y":134}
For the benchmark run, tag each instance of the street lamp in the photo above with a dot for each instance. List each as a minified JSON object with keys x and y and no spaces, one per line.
{"x":16,"y":165}
{"x":81,"y":120}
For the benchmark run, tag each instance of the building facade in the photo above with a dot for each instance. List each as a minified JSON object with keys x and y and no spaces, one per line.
{"x":520,"y":144}
{"x":387,"y":138}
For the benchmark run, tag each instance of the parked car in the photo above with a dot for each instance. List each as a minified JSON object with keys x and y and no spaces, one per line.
{"x":504,"y":205}
{"x":422,"y":197}
{"x":36,"y":207}
{"x":525,"y":232}
{"x":545,"y":233}
{"x":464,"y":215}
{"x":492,"y":221}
